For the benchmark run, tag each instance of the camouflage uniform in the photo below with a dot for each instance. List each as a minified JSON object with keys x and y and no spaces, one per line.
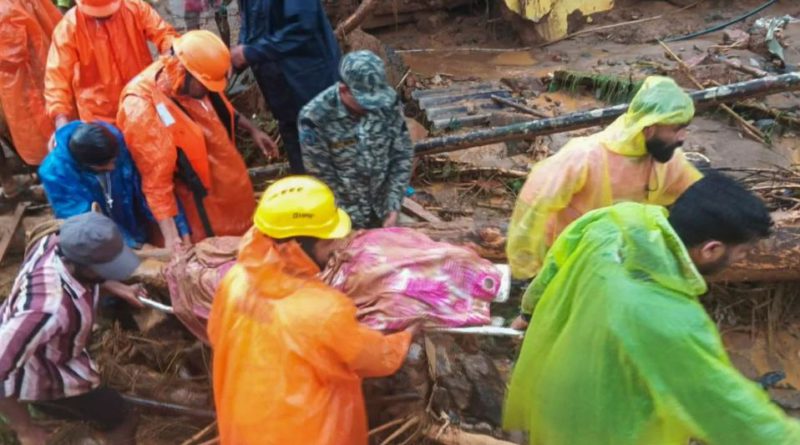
{"x":367,"y":160}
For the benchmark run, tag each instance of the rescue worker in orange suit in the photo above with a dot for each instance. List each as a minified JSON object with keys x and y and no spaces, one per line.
{"x":25,"y":29}
{"x":289,"y":354}
{"x":180,"y":130}
{"x":97,"y":48}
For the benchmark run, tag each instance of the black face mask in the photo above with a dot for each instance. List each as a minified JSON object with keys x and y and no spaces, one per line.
{"x":660,"y":150}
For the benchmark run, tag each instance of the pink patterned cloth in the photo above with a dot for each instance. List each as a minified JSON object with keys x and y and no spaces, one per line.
{"x":397,"y":275}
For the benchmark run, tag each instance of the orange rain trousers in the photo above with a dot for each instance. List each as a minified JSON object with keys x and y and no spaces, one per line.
{"x":91,"y":60}
{"x":289,"y":354}
{"x":25,"y":29}
{"x":230,"y":202}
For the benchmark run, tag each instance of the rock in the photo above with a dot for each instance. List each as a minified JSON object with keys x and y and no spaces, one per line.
{"x":488,"y":389}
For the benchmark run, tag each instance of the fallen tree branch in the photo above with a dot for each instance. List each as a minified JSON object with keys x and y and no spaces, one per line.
{"x":748,"y":128}
{"x":200,"y":434}
{"x":352,"y":22}
{"x":739,"y":66}
{"x":779,"y":116}
{"x":406,"y":426}
{"x":387,"y":425}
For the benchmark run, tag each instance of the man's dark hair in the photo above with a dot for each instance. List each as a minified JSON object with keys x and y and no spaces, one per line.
{"x":93,"y":144}
{"x":719,"y":208}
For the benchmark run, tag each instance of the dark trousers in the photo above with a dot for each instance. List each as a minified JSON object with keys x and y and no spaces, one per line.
{"x":285,"y":106}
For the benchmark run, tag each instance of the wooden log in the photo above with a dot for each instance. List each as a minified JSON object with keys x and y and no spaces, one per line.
{"x":772,"y":260}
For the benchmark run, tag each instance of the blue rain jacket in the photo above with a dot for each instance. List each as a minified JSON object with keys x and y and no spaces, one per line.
{"x":297,"y":36}
{"x":71,"y":189}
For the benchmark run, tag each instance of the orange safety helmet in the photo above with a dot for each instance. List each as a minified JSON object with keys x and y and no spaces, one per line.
{"x":205,"y":57}
{"x":98,"y":8}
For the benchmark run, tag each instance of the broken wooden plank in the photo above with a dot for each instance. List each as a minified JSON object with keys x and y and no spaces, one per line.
{"x":412,"y":208}
{"x":703,"y":99}
{"x":12,"y":227}
{"x":520,"y":107}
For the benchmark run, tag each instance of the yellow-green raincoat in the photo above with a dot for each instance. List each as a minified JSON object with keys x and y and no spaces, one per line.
{"x":621,"y":352}
{"x":598,"y":171}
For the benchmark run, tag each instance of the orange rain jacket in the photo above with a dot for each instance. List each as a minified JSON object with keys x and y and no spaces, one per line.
{"x":155,"y":121}
{"x":91,"y":60}
{"x":25,"y":29}
{"x":289,"y":354}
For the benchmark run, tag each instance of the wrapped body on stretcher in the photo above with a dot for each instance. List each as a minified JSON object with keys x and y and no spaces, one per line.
{"x":395,"y":276}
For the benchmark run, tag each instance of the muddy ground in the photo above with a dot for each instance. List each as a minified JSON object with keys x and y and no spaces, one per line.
{"x":476,"y":42}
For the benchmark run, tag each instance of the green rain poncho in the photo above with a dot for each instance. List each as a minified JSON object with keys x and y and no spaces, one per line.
{"x":621,"y":352}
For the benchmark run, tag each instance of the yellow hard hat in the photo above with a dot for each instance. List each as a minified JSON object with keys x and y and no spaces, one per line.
{"x":205,"y":56}
{"x":300,"y":206}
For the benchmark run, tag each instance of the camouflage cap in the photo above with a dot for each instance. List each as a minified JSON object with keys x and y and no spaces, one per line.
{"x":365,"y":74}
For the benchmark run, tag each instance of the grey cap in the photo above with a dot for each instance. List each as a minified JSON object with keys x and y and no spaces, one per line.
{"x":365,"y":75}
{"x":93,"y":240}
